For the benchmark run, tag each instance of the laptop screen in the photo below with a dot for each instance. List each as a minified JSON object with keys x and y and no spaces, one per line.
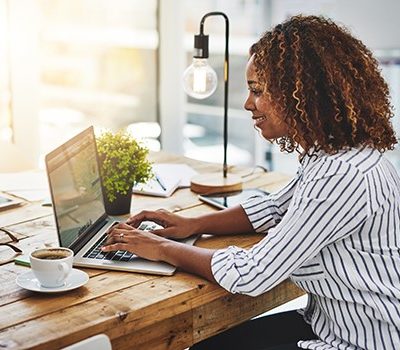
{"x":75,"y":185}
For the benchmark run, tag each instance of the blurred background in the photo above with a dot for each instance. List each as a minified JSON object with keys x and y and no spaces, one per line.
{"x":68,"y":64}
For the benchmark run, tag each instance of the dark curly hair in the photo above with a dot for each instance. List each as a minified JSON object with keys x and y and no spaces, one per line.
{"x":326,"y":84}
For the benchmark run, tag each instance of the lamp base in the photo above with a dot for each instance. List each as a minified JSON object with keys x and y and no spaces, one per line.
{"x":215,"y":183}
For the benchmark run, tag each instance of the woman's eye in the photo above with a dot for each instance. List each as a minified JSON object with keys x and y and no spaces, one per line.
{"x":255,"y":92}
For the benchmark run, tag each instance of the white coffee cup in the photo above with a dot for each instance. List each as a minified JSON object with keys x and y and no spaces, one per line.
{"x":51,"y":266}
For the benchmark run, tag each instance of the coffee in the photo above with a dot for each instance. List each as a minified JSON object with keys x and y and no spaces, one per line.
{"x":54,"y":254}
{"x":51,"y":266}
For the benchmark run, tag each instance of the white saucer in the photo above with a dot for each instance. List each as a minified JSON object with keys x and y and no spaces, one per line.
{"x":76,"y":279}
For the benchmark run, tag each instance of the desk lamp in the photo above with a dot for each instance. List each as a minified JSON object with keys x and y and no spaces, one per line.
{"x":200,"y":81}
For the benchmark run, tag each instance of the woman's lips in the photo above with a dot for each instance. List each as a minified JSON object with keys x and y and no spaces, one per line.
{"x":258,"y":120}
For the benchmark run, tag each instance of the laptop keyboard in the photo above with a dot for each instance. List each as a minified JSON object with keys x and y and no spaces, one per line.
{"x":120,"y":255}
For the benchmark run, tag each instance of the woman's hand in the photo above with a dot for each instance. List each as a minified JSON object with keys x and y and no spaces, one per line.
{"x":153,"y":247}
{"x":174,"y":226}
{"x":142,"y":243}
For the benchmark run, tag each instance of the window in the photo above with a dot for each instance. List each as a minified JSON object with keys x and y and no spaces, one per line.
{"x":6,"y":130}
{"x":98,"y":66}
{"x":67,"y":64}
{"x":18,"y":85}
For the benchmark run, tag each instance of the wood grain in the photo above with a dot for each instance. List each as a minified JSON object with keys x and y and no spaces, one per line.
{"x":215,"y":183}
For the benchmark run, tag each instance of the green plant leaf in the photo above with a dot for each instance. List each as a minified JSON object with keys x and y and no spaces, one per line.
{"x":123,"y":162}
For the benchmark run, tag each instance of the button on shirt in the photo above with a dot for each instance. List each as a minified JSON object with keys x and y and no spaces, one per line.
{"x":335,"y":231}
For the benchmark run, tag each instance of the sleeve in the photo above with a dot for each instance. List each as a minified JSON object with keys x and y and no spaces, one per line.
{"x":267,"y":211}
{"x":325,"y":208}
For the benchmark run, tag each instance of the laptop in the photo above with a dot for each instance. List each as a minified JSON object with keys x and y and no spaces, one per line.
{"x":81,"y":219}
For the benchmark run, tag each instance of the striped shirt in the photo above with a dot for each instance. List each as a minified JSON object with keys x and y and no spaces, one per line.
{"x":335,"y":231}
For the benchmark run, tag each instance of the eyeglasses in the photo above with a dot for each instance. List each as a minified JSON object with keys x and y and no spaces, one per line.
{"x":9,"y":234}
{"x":13,"y":247}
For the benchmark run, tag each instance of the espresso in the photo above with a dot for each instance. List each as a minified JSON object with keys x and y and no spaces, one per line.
{"x":51,"y":254}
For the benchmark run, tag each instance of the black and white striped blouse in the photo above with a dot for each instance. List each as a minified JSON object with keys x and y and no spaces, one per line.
{"x":335,"y":231}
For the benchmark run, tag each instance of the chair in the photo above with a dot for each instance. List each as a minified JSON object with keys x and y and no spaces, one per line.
{"x":98,"y":342}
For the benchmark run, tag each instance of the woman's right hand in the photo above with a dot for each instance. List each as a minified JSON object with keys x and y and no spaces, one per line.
{"x":174,"y":226}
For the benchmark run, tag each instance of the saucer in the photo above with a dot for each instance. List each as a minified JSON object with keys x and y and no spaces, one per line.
{"x":76,"y":279}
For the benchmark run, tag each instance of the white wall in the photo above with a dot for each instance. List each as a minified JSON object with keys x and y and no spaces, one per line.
{"x":375,"y":22}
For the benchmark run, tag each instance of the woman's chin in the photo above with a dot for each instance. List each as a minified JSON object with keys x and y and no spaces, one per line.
{"x":265,"y":134}
{"x":268,"y":134}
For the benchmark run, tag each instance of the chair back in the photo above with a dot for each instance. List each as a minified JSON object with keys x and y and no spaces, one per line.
{"x":98,"y":342}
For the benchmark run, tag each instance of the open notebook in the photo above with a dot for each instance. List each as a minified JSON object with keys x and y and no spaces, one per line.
{"x":168,"y":177}
{"x":7,"y":201}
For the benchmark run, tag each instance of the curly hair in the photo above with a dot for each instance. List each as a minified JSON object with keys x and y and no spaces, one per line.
{"x":326,"y":85}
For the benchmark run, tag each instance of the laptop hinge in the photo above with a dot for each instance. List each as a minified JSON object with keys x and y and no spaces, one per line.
{"x":88,"y":234}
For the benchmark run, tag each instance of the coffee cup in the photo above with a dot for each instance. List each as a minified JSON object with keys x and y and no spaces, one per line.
{"x":51,"y":266}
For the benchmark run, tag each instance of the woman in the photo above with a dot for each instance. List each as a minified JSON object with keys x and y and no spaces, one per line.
{"x":335,"y":228}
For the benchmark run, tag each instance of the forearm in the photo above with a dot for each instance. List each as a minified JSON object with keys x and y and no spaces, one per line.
{"x":228,"y":221}
{"x":190,"y":258}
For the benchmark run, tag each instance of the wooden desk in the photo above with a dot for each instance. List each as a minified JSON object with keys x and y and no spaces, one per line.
{"x":136,"y":311}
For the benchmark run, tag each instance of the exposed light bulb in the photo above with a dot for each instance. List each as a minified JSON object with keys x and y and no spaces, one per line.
{"x":199,"y":79}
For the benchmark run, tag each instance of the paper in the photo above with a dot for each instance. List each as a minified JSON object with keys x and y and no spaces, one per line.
{"x":168,"y":177}
{"x":7,"y":202}
{"x":162,"y":187}
{"x":181,"y":171}
{"x":29,"y":185}
{"x":24,"y":214}
{"x":31,"y":195}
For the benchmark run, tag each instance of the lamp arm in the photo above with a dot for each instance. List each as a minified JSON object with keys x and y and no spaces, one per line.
{"x":226,"y":80}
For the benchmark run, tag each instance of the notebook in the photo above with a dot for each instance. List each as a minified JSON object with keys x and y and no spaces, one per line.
{"x":81,"y":220}
{"x":167,"y":178}
{"x":7,"y":202}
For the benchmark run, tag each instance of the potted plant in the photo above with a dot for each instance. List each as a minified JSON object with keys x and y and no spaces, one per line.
{"x":123,"y":163}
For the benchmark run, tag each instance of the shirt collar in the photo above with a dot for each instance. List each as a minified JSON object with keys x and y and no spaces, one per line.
{"x":306,"y":158}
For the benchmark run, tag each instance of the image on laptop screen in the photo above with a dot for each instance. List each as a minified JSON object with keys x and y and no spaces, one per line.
{"x":76,"y":188}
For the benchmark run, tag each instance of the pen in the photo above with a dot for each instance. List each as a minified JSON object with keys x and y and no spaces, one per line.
{"x":161,"y":183}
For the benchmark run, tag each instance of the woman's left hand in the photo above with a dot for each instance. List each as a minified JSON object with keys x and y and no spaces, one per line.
{"x":141,"y":243}
{"x":153,"y":247}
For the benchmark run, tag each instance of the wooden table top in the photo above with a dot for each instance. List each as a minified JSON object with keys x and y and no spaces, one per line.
{"x":136,"y":311}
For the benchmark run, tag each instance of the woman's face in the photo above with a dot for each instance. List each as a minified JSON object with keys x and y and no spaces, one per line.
{"x":265,"y":117}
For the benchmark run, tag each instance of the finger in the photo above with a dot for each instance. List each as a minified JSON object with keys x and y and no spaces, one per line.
{"x":108,"y":241}
{"x":135,"y":220}
{"x":114,"y":247}
{"x":121,"y":238}
{"x":146,"y":215}
{"x":119,"y":234}
{"x":164,"y":232}
{"x":124,"y":226}
{"x":113,"y":227}
{"x":119,"y":226}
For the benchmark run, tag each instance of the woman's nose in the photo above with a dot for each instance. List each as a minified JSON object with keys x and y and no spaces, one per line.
{"x":248,"y":104}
